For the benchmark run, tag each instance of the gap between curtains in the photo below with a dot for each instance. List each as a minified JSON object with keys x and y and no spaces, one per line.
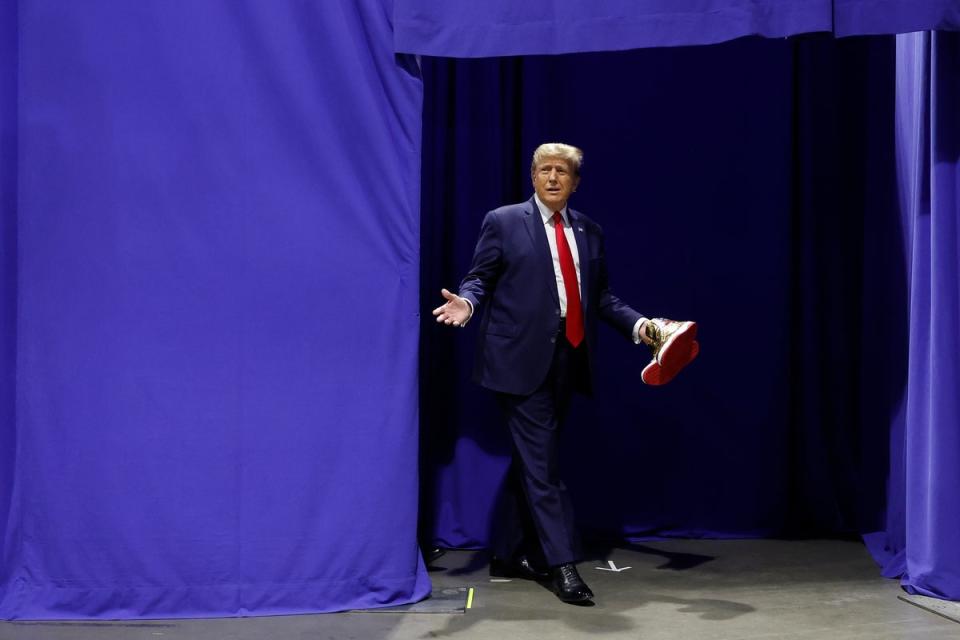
{"x":872,"y":438}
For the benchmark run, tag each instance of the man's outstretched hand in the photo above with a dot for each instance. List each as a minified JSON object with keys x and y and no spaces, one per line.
{"x":455,"y":310}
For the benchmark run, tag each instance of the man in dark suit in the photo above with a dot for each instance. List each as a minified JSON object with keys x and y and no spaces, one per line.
{"x":539,"y":276}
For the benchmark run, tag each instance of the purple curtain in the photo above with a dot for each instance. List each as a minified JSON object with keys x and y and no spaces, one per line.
{"x":865,"y":17}
{"x":470,"y":29}
{"x":920,"y":540}
{"x":8,"y":268}
{"x":216,"y":212}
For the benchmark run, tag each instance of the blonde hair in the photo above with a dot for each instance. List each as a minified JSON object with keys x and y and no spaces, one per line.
{"x":571,"y":154}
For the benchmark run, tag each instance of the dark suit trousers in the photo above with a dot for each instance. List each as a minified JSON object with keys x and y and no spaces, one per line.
{"x":534,"y":515}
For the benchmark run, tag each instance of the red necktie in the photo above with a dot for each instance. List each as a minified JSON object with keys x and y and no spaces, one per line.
{"x":574,"y":315}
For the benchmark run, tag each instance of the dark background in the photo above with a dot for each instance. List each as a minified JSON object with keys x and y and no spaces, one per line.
{"x":748,"y":185}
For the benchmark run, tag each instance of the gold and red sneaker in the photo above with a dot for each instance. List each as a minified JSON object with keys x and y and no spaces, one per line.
{"x":674,"y":346}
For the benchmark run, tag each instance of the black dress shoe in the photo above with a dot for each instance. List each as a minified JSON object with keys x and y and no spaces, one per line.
{"x":569,"y":586}
{"x":431,"y":553}
{"x":520,"y":567}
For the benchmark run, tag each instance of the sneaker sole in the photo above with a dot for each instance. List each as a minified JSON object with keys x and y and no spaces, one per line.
{"x":654,"y":374}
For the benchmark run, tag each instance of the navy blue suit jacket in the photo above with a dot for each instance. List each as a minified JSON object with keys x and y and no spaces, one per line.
{"x":512,"y":285}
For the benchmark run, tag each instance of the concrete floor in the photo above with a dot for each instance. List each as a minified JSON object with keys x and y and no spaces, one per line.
{"x":679,"y":589}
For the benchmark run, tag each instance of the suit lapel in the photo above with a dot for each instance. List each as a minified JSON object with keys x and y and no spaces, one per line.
{"x":533,"y":221}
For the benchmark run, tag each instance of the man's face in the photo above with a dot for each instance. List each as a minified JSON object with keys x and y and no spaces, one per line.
{"x":554,"y":181}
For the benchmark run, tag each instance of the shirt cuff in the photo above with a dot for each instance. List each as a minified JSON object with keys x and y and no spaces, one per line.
{"x":469,"y":304}
{"x":636,"y":330}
